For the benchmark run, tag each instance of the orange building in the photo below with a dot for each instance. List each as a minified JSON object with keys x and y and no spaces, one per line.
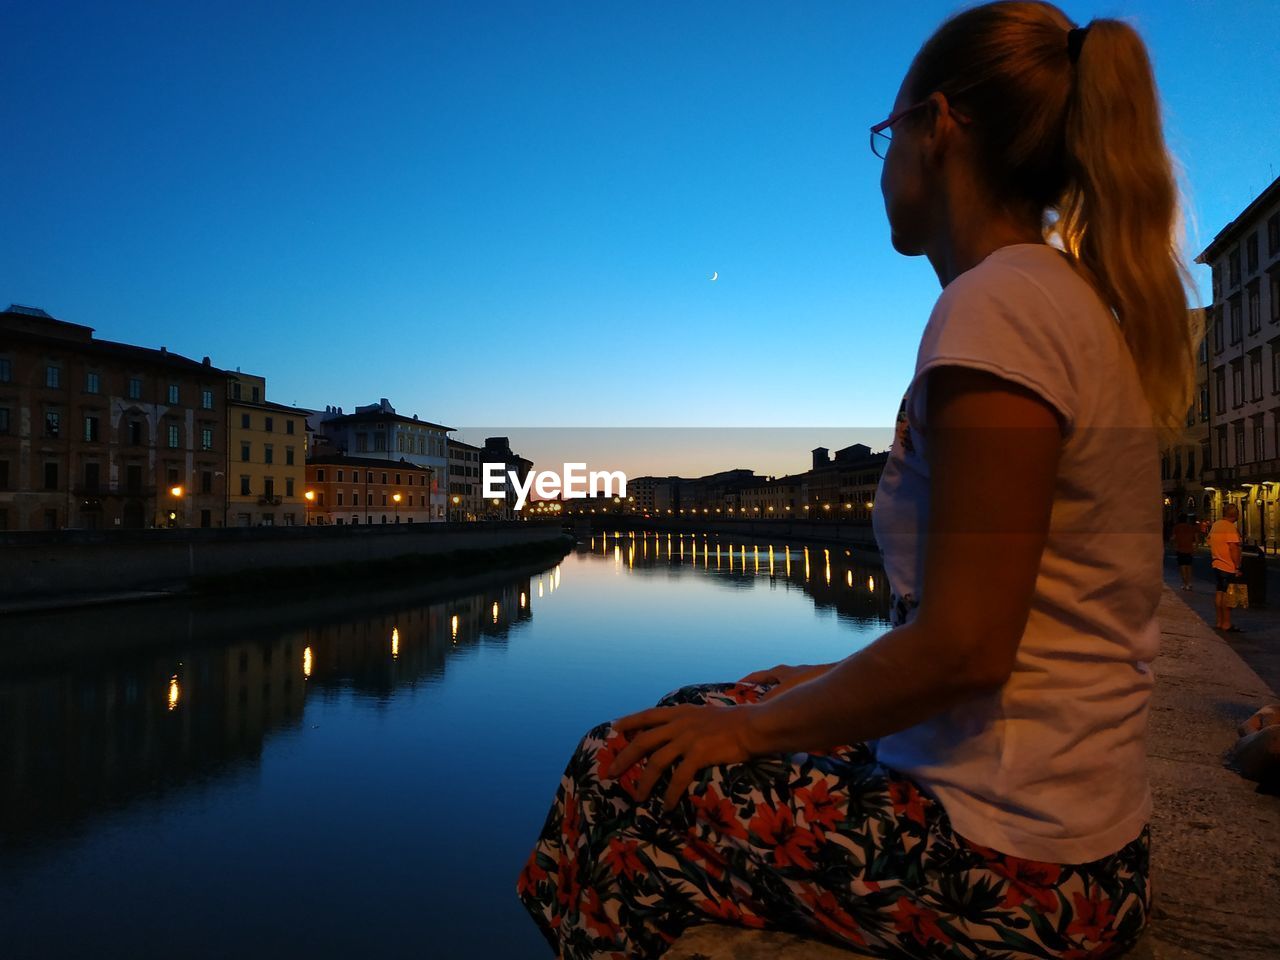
{"x":355,"y":490}
{"x":102,"y":435}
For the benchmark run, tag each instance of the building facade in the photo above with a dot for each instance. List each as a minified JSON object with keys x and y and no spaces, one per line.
{"x":364,"y":490}
{"x":377,"y":432}
{"x":498,"y":450}
{"x":465,"y":502}
{"x":102,"y":435}
{"x":266,"y":456}
{"x":1244,"y":367}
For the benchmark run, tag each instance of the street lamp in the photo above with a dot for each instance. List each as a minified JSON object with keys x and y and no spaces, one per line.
{"x":456,"y":500}
{"x":176,"y":493}
{"x":396,"y":498}
{"x":310,"y":497}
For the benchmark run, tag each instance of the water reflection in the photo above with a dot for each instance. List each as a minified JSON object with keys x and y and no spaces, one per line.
{"x":117,"y":724}
{"x":846,"y":586}
{"x":331,"y":757}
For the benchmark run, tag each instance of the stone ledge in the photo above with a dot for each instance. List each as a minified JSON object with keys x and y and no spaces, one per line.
{"x":1215,"y":867}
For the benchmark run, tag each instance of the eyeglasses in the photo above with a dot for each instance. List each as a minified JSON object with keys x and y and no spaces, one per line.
{"x":882,"y":132}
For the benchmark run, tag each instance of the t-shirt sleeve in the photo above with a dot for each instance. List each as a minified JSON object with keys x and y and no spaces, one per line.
{"x":1001,"y":322}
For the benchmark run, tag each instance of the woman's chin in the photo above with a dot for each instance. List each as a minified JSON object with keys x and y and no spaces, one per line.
{"x":905,"y":247}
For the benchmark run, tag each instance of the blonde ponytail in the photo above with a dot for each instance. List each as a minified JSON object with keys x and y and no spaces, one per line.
{"x":1119,"y":212}
{"x":1067,"y":126}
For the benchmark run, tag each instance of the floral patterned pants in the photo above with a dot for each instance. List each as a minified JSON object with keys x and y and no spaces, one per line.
{"x":835,"y":846}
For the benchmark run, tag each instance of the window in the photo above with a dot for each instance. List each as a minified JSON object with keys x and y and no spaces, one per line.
{"x":4,"y":420}
{"x":1235,"y":319}
{"x":51,"y":476}
{"x":1273,"y":234}
{"x":135,"y":388}
{"x":235,"y":391}
{"x":1259,"y":453}
{"x":1237,"y":383}
{"x":256,"y":393}
{"x":384,"y":478}
{"x":267,"y":424}
{"x":92,"y":476}
{"x":368,"y":477}
{"x":206,"y":438}
{"x":206,"y":482}
{"x":1216,"y":319}
{"x":244,"y":421}
{"x":1274,"y":283}
{"x":368,"y":497}
{"x":1252,"y":298}
{"x":206,"y":399}
{"x":6,"y":370}
{"x":1217,"y":280}
{"x":269,"y":487}
{"x":320,"y":475}
{"x":397,"y":479}
{"x":379,"y":441}
{"x":340,"y":477}
{"x":288,"y":487}
{"x":1275,"y":367}
{"x":268,"y":453}
{"x":1255,"y":374}
{"x":4,"y":474}
{"x":1239,"y":443}
{"x":339,"y":498}
{"x":244,"y":452}
{"x":92,"y":383}
{"x":53,"y":376}
{"x":52,"y":423}
{"x":135,"y":432}
{"x":288,"y":426}
{"x":91,"y":429}
{"x":288,"y":456}
{"x":1204,"y":404}
{"x":1251,"y":253}
{"x":1233,"y":268}
{"x":244,"y":486}
{"x":1191,"y":465}
{"x":174,"y":436}
{"x":173,"y":393}
{"x":1222,"y":446}
{"x":362,"y":443}
{"x":384,"y":499}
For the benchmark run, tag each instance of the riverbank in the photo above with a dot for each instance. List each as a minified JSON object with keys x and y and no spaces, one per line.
{"x":1214,"y":836}
{"x":74,"y":568}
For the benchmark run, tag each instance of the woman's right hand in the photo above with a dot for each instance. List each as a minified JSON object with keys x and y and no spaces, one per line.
{"x":785,"y":677}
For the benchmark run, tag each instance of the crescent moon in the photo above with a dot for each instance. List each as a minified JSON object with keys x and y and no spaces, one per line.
{"x":715,"y":275}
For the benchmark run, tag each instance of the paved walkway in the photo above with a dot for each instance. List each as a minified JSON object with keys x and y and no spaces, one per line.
{"x":1259,"y":646}
{"x":1215,"y":838}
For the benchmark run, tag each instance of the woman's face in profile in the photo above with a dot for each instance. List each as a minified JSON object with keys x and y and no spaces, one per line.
{"x":901,"y":180}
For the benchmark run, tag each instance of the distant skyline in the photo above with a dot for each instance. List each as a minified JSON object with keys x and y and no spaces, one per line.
{"x":510,"y":213}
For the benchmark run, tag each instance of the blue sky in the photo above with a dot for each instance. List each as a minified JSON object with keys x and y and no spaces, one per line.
{"x":507,"y":213}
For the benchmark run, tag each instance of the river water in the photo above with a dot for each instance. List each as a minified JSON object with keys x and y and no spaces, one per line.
{"x":360,"y":772}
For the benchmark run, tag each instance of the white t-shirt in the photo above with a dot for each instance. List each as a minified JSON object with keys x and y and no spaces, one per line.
{"x":1052,"y":766}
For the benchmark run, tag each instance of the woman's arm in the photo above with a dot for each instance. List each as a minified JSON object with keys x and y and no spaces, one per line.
{"x":993,"y":451}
